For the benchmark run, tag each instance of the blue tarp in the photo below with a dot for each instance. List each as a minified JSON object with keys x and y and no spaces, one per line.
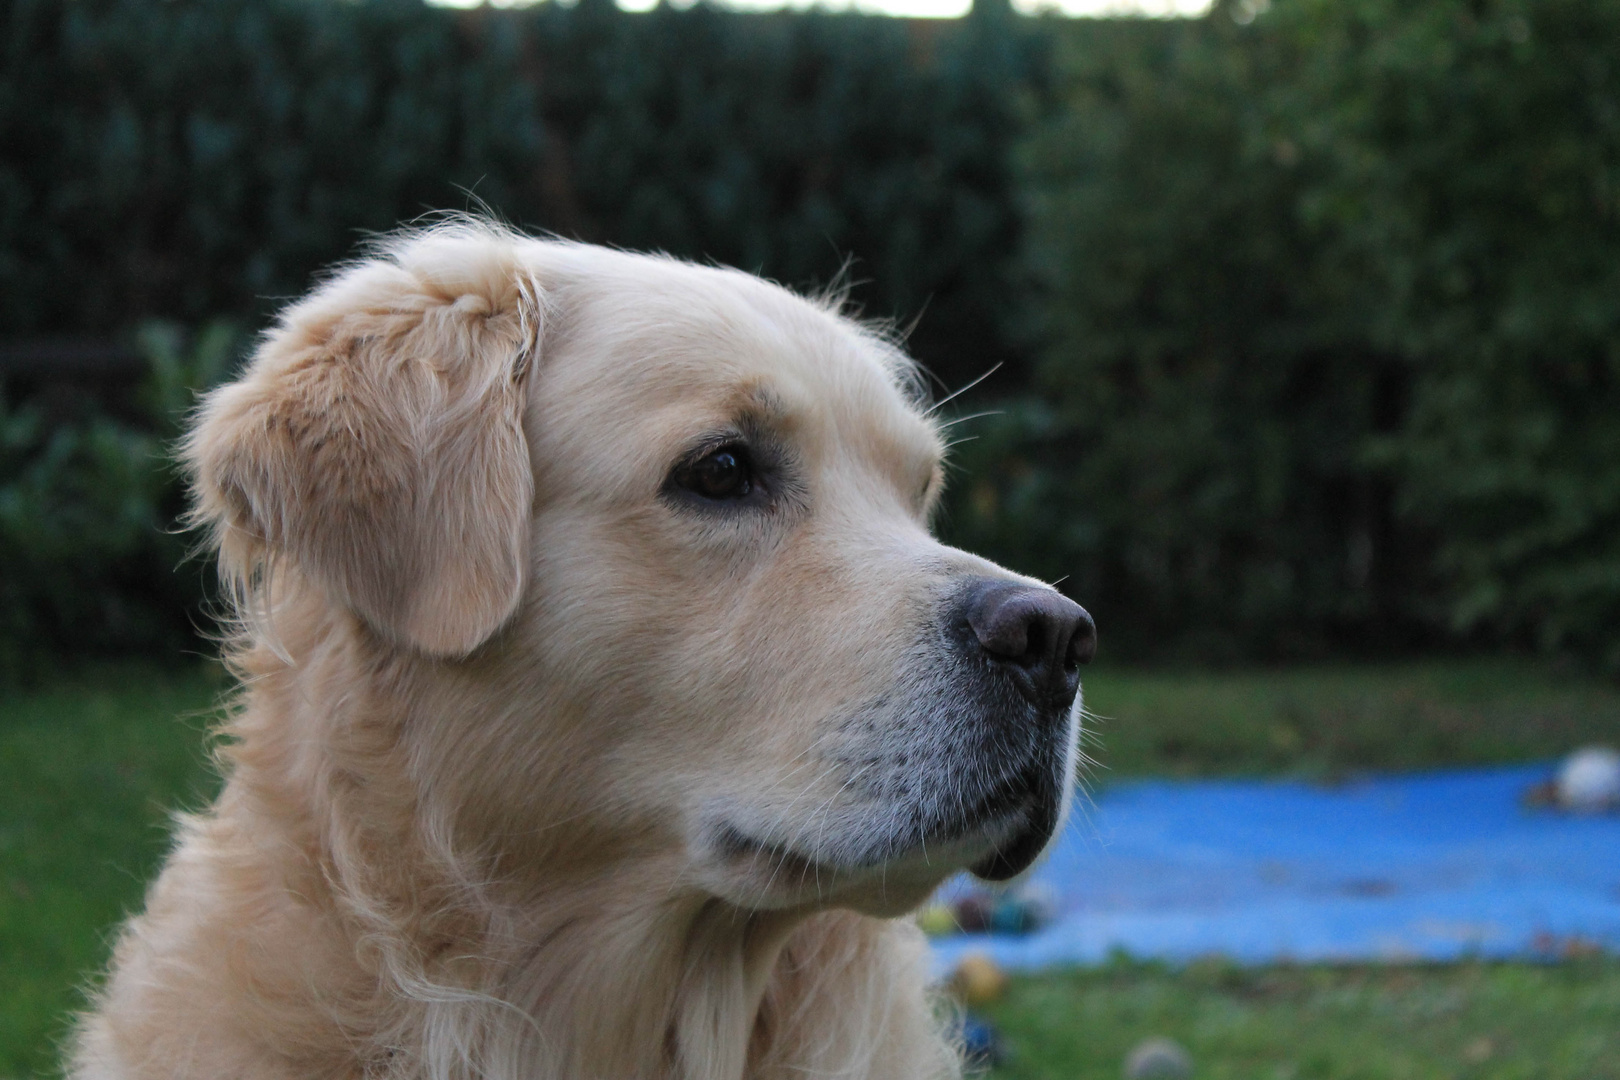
{"x":1431,"y":866}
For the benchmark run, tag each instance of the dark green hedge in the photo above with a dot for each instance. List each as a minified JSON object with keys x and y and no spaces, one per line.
{"x":1323,"y":299}
{"x":187,"y":159}
{"x":1333,"y":315}
{"x":91,"y":561}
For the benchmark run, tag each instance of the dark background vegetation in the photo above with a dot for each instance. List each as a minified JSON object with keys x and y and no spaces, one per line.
{"x":1308,"y":314}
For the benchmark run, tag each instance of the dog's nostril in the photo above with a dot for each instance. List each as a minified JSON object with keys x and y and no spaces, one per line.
{"x":1082,"y":643}
{"x":1035,"y":644}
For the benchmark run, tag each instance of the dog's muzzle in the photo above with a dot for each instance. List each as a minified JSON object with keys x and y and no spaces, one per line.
{"x":1033,"y":640}
{"x":967,"y":759}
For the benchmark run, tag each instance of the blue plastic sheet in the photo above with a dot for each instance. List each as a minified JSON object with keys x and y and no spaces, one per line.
{"x":1431,"y":866}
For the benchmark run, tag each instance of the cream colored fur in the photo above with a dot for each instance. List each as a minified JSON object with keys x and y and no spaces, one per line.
{"x":497,"y":690}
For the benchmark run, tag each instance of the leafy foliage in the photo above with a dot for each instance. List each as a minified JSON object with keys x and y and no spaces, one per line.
{"x":196,"y":159}
{"x":1323,"y":292}
{"x":1332,"y":320}
{"x":1477,"y":192}
{"x":188,"y":159}
{"x":90,"y":560}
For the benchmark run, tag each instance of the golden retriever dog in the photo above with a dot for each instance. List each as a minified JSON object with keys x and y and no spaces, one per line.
{"x":606,"y":701}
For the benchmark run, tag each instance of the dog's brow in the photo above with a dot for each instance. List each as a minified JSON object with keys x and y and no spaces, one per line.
{"x":757,"y":409}
{"x":763,"y":403}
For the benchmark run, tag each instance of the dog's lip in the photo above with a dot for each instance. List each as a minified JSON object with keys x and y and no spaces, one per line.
{"x":1004,"y":831}
{"x":736,"y":845}
{"x":1038,"y":802}
{"x":1020,"y":851}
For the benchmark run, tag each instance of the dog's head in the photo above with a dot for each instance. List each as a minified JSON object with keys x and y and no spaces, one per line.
{"x":642,"y":549}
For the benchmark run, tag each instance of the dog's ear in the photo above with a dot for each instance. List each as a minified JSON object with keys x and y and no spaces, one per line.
{"x":376,"y":442}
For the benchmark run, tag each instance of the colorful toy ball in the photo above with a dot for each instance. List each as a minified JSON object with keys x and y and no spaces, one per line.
{"x":978,"y":980}
{"x":937,"y":920}
{"x":1022,"y":912}
{"x":981,"y":1043}
{"x":973,"y":913}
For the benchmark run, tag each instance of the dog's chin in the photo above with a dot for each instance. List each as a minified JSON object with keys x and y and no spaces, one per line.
{"x":877,"y":871}
{"x":759,"y":875}
{"x":1023,"y":827}
{"x":1018,"y":852}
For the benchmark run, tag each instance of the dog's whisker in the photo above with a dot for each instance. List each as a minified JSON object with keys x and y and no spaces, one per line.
{"x":948,"y":398}
{"x":953,"y":421}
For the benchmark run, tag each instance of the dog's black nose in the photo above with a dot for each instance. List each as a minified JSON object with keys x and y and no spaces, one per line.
{"x":1041,"y":636}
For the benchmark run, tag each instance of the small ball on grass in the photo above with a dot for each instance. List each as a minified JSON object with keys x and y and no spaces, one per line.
{"x":978,"y":980}
{"x":981,"y":1044}
{"x":1158,"y":1058}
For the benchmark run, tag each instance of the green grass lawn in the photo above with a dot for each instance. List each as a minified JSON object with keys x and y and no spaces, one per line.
{"x":94,"y":767}
{"x":1324,"y":722}
{"x":1501,"y":1021}
{"x":92,"y":771}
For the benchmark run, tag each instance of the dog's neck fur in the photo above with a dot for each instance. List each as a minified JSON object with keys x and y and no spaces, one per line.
{"x":348,"y":966}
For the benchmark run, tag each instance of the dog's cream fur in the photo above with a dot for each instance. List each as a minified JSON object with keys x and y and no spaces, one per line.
{"x":500,"y":692}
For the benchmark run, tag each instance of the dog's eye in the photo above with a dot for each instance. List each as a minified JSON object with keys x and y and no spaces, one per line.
{"x":721,"y":474}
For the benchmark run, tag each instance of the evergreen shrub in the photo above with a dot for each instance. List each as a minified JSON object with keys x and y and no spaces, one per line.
{"x":191,"y":160}
{"x":1321,"y":293}
{"x":91,"y":560}
{"x":1332,"y":326}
